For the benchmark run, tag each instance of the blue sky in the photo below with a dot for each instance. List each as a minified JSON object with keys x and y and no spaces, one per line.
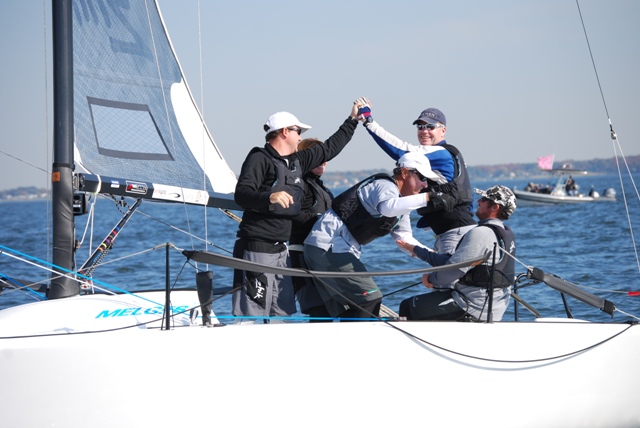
{"x":514,"y":78}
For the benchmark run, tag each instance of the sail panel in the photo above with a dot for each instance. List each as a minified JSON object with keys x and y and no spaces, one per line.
{"x":134,"y":115}
{"x":126,"y":130}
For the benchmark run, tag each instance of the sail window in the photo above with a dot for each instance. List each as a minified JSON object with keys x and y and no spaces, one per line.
{"x":126,"y":130}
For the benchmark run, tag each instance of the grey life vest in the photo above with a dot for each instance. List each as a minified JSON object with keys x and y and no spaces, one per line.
{"x":504,"y":269}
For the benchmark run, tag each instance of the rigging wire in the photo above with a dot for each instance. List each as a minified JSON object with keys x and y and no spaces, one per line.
{"x":25,"y":162}
{"x":615,"y":142}
{"x":584,"y":28}
{"x":59,"y":271}
{"x":166,"y":107}
{"x":46,"y":112}
{"x":205,"y":240}
{"x":203,"y":141}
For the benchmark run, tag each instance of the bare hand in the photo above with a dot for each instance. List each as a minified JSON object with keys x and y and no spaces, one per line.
{"x":354,"y":109}
{"x":281,"y":198}
{"x":357,"y":104}
{"x":405,"y":245}
{"x":425,"y":281}
{"x":364,"y":102}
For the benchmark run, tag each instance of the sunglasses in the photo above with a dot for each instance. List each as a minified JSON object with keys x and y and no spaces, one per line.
{"x":485,"y":199}
{"x":430,"y":127}
{"x":420,"y":176}
{"x":298,"y":130}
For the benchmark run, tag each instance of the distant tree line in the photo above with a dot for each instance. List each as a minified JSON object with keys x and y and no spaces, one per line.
{"x":594,"y":166}
{"x":335,"y":179}
{"x":341,"y":179}
{"x":23,"y":193}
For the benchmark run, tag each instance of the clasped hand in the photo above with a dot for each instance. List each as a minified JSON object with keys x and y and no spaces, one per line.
{"x":425,"y":281}
{"x":364,"y":109}
{"x":281,"y":198}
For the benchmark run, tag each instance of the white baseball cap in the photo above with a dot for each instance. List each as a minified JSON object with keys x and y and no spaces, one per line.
{"x":283,"y":119}
{"x":420,"y":163}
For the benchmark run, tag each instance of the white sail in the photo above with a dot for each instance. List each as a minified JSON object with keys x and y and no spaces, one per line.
{"x":135,"y":117}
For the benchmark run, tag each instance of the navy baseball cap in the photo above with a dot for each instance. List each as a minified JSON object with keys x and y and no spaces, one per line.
{"x":432,"y":116}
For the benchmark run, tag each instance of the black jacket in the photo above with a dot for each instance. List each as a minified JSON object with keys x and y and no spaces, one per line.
{"x":258,"y":174}
{"x":317,"y":199}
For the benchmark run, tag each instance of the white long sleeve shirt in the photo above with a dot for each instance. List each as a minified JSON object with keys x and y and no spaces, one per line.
{"x":380,"y":197}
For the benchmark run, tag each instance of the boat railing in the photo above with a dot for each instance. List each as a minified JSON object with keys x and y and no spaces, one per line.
{"x":536,"y":276}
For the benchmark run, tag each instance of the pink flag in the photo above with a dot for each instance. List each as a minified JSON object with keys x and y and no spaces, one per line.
{"x":545,"y":162}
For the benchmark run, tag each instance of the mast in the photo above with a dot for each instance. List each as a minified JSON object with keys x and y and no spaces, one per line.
{"x":62,"y":169}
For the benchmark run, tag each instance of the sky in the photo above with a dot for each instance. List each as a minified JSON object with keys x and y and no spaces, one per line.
{"x":514,"y":78}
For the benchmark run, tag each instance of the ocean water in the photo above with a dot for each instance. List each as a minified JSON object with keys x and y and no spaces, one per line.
{"x":587,"y":244}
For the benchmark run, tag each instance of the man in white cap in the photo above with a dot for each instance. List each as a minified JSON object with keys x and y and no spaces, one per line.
{"x":269,"y":189}
{"x":470,"y":299}
{"x":375,"y":207}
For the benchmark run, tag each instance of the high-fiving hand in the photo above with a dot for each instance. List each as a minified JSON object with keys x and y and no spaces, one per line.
{"x":364,"y":111}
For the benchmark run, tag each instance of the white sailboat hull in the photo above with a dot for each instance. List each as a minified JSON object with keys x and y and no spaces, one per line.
{"x":545,"y":198}
{"x":536,"y":374}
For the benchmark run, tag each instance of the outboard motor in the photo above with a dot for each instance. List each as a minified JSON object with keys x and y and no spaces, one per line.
{"x":609,"y":193}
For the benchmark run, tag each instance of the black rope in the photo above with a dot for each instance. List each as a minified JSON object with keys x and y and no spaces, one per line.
{"x":535,"y":360}
{"x":402,"y":289}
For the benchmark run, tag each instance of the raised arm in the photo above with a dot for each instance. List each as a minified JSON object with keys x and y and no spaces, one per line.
{"x":316,"y":155}
{"x":440,"y":159}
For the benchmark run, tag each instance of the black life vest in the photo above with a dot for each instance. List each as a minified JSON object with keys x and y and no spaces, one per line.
{"x":462,"y":214}
{"x":504,"y":272}
{"x":289,"y":179}
{"x":363,"y":226}
{"x":317,"y":199}
{"x":465,"y":194}
{"x":322,"y":197}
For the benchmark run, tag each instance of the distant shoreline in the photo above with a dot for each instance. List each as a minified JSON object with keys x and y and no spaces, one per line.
{"x":343,"y":179}
{"x":24,"y":199}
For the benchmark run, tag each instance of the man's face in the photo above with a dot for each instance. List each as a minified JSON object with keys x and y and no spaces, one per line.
{"x":413,"y":182}
{"x":293,"y":137}
{"x":430,"y":135}
{"x":485,"y":208}
{"x":319,"y":170}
